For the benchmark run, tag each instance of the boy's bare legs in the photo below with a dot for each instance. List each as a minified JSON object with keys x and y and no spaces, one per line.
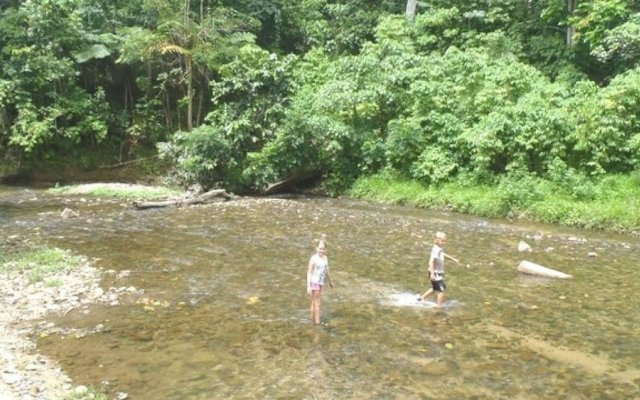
{"x":440,"y":299}
{"x":425,"y":294}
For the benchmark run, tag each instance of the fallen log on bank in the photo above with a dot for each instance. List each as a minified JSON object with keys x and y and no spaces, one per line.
{"x":291,"y":183}
{"x":203,"y":198}
{"x":531,"y":268}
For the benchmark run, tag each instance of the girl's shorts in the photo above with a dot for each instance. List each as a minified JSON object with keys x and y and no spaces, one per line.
{"x":316,"y":286}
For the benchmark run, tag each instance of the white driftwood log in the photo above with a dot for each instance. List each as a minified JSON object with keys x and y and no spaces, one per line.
{"x":531,"y":268}
{"x":203,"y":198}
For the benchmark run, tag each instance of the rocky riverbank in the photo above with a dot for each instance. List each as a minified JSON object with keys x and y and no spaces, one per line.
{"x":25,"y":374}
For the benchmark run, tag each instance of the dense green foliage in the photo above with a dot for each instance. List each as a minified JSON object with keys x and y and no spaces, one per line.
{"x":505,"y":93}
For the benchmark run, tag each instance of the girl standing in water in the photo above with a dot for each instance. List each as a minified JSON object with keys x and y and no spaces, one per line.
{"x":318,"y":270}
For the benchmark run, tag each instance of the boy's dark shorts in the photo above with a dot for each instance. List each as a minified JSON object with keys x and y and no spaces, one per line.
{"x":439,"y":285}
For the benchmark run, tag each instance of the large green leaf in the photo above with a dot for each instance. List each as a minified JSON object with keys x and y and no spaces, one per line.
{"x":96,"y":51}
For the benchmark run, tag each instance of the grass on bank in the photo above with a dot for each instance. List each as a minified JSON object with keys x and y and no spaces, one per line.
{"x":611,"y":203}
{"x":86,"y":393}
{"x":120,"y":191}
{"x":41,"y":263}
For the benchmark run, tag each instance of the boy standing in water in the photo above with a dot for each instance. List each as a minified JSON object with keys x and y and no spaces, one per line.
{"x":436,"y":268}
{"x":318,"y":269}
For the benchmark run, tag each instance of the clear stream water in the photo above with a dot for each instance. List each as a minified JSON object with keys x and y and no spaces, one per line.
{"x":225,"y":314}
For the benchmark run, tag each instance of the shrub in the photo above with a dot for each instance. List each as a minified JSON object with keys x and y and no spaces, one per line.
{"x":518,"y":190}
{"x":200,"y":156}
{"x":571,"y":181}
{"x":434,"y":165}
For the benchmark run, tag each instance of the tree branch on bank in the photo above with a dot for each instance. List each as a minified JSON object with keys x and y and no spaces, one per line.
{"x":124,"y":163}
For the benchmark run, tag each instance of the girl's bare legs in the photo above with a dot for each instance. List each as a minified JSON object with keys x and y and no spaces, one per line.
{"x":315,"y":306}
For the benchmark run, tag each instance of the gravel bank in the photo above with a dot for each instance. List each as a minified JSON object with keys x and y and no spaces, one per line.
{"x":25,"y":374}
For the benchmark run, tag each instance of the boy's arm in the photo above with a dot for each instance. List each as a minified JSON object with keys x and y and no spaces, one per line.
{"x":432,"y":268}
{"x":455,"y":260}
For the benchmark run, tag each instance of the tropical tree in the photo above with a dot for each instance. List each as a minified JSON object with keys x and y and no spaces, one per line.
{"x":251,"y":95}
{"x":606,"y":32}
{"x":181,"y":51}
{"x":43,"y":106}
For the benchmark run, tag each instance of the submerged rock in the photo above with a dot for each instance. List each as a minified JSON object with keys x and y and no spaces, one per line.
{"x":523,"y":246}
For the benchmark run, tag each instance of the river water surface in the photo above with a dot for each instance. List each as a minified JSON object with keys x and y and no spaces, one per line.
{"x":224,"y":313}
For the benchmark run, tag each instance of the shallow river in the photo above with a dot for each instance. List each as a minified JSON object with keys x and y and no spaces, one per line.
{"x":224,"y":313}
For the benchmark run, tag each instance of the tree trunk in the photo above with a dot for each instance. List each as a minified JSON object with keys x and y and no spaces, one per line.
{"x":200,"y":105}
{"x":411,"y":9}
{"x":187,"y":8}
{"x":126,"y":94}
{"x":572,"y":5}
{"x":189,"y":93}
